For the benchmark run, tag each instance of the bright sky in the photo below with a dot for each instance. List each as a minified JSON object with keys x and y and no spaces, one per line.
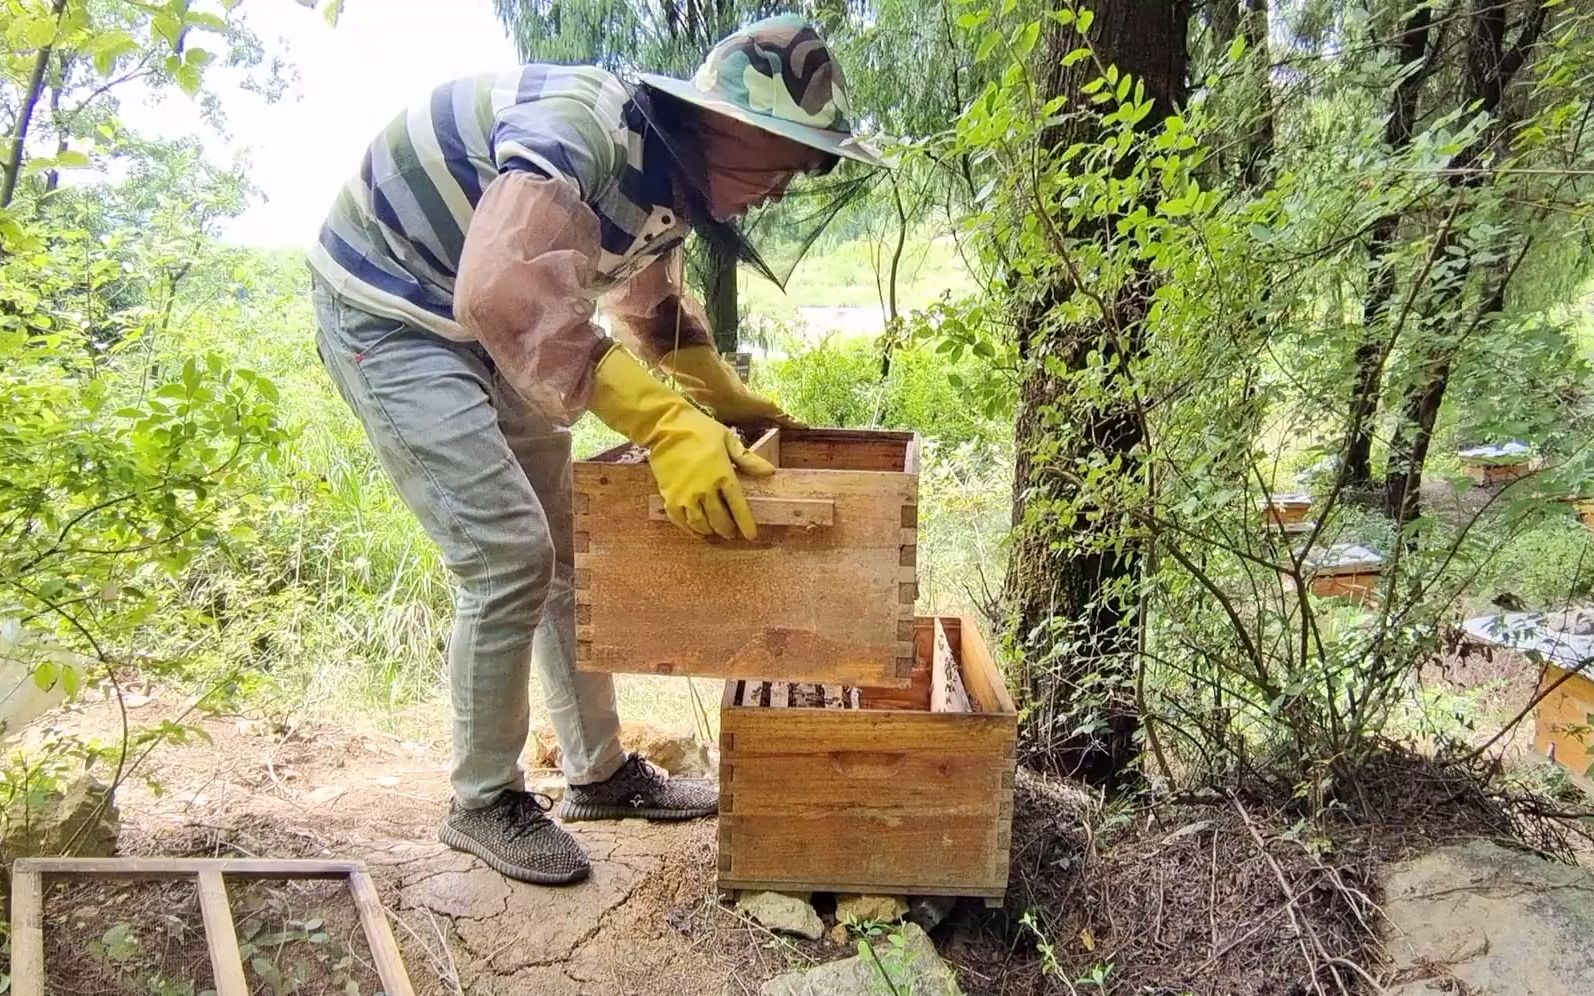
{"x":383,"y":56}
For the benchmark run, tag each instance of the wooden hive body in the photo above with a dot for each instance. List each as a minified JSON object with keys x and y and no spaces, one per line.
{"x":896,"y":791}
{"x":825,"y":594}
{"x":1564,"y":722}
{"x":1345,"y":571}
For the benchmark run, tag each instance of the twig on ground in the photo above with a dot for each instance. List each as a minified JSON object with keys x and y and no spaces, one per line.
{"x":1289,"y":897}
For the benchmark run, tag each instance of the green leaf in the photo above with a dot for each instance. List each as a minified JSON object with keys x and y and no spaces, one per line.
{"x":332,"y":12}
{"x":38,"y":32}
{"x":45,"y":674}
{"x":987,"y":46}
{"x":188,"y":79}
{"x":1084,"y":19}
{"x":108,"y":47}
{"x":1237,"y":48}
{"x":168,"y":27}
{"x":70,"y":159}
{"x":206,"y":20}
{"x":121,"y":944}
{"x":1025,"y":38}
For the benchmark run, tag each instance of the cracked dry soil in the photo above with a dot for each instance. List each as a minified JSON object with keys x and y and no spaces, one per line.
{"x":647,"y":920}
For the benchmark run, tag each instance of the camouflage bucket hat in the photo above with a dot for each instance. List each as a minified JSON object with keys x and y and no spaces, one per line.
{"x":777,"y":75}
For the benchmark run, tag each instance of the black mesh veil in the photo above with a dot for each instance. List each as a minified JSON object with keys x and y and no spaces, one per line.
{"x":773,"y":238}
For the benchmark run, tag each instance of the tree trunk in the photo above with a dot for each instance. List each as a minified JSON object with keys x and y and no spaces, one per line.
{"x":719,"y":298}
{"x":52,"y":180}
{"x":1490,"y":68}
{"x":30,"y":100}
{"x":1068,"y":611}
{"x":1411,"y":51}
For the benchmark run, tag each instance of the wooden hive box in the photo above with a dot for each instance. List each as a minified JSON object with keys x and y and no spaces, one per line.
{"x":1563,"y":723}
{"x":825,"y":594}
{"x":1285,"y":509}
{"x":1584,"y":507}
{"x":895,"y":791}
{"x":1345,"y":571}
{"x":1491,"y":466}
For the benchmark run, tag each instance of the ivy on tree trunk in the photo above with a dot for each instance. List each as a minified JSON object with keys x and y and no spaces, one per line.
{"x":1073,"y":613}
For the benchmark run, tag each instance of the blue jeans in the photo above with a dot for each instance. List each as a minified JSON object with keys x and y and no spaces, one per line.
{"x":489,"y":480}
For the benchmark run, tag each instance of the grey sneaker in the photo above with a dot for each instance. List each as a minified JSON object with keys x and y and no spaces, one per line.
{"x":516,"y":838}
{"x":640,"y":790}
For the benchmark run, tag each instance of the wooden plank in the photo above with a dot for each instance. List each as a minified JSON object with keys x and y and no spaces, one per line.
{"x":609,"y":455}
{"x":946,"y":686}
{"x":752,"y":694}
{"x":27,"y":932}
{"x":768,"y":446}
{"x":980,"y":673}
{"x":916,"y":694}
{"x":226,"y":964}
{"x":175,"y":868}
{"x":731,"y":884}
{"x":871,"y":450}
{"x":809,"y":513}
{"x":826,"y":608}
{"x":378,"y":935}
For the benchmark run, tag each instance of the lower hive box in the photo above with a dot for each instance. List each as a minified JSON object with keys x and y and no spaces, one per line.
{"x":835,"y":788}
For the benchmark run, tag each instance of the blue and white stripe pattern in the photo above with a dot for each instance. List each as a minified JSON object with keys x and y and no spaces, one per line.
{"x":391,"y":243}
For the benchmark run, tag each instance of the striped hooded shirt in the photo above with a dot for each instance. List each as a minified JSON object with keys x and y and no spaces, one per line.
{"x":392,"y":242}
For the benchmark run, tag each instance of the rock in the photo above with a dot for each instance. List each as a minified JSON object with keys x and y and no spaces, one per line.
{"x":545,"y":751}
{"x":782,"y":913}
{"x":929,"y":911}
{"x":553,"y":786}
{"x":914,"y":967}
{"x":863,"y":909}
{"x":1491,"y":921}
{"x":676,"y":751}
{"x":323,"y":794}
{"x":80,"y":818}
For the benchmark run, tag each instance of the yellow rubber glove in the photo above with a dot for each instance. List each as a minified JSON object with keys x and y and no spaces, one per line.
{"x":707,"y":379}
{"x":694,"y":458}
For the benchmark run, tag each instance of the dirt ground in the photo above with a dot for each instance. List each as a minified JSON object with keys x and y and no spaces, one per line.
{"x":647,"y":921}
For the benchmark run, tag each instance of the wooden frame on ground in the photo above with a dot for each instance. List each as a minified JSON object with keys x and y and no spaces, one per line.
{"x":27,"y":910}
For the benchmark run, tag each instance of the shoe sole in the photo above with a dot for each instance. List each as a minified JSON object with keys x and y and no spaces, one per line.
{"x":460,"y":842}
{"x":569,"y":812}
